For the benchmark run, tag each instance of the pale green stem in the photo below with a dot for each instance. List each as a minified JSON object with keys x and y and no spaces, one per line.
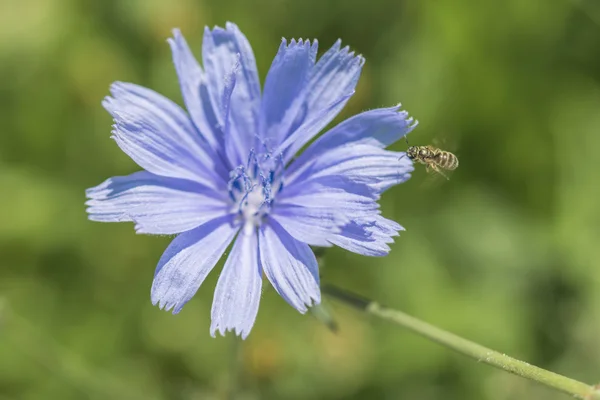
{"x":480,"y":353}
{"x":235,"y":368}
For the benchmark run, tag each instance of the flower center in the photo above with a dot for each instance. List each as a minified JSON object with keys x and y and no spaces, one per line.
{"x":252,"y":187}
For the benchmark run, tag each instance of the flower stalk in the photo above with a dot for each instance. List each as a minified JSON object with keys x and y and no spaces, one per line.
{"x":466,"y":347}
{"x":235,"y":369}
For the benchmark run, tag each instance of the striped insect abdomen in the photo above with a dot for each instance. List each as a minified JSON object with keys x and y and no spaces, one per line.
{"x":446,"y":160}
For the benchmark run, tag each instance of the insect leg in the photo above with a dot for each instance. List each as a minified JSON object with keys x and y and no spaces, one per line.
{"x":436,"y":169}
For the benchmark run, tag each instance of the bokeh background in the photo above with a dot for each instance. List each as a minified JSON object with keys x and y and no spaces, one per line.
{"x":505,"y":253}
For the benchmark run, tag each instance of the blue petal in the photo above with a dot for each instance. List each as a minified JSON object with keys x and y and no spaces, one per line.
{"x":378,"y":168}
{"x":235,"y":151}
{"x":238,"y":290}
{"x":315,"y":210}
{"x":195,"y":92}
{"x":338,"y":194}
{"x":188,"y":260}
{"x":379,"y":128}
{"x":308,"y":130}
{"x":329,"y":87}
{"x":335,"y":76}
{"x":367,"y":236}
{"x":157,"y":205}
{"x":158,"y":135}
{"x":284,"y":97}
{"x":290,"y":266}
{"x":309,"y":225}
{"x":221,"y":50}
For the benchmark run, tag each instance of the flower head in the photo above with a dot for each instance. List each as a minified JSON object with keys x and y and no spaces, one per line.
{"x":225,"y":172}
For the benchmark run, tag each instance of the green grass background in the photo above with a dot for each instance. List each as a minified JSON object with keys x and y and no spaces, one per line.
{"x":506,"y":253}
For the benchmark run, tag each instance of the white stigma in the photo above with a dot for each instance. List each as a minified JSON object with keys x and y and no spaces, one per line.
{"x":251,"y":207}
{"x":251,"y":188}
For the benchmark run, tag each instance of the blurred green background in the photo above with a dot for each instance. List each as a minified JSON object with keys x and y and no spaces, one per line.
{"x":505,"y":253}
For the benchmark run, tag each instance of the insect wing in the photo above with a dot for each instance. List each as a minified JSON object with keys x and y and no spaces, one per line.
{"x":433,"y":179}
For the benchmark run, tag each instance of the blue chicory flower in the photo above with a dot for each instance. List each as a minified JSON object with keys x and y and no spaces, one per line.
{"x":225,"y":172}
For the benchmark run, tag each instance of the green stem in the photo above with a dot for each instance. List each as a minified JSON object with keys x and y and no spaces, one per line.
{"x":466,"y":347}
{"x":235,"y":368}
